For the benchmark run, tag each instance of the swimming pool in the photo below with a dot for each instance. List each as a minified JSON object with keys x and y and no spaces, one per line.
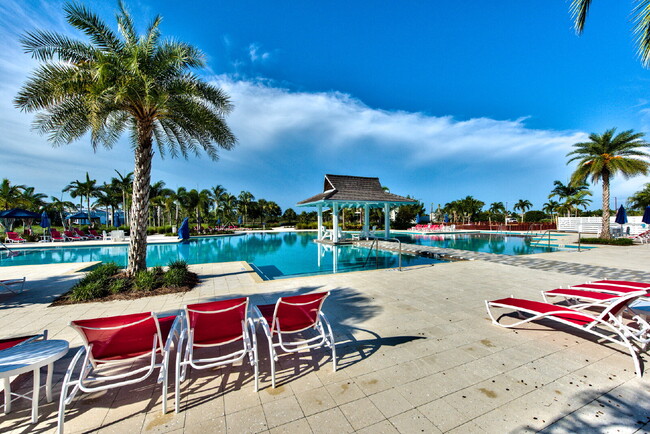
{"x":272,"y":255}
{"x":489,"y":243}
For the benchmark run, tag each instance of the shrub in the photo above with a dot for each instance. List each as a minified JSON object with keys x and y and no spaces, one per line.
{"x":88,"y":291}
{"x":119,"y":285}
{"x":175,"y":277}
{"x":145,"y":280}
{"x":178,"y":264}
{"x":611,"y":242}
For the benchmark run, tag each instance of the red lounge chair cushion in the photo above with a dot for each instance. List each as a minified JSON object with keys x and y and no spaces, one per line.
{"x":12,"y":342}
{"x":294,"y":313}
{"x":122,"y":337}
{"x":565,"y":314}
{"x":625,"y":282}
{"x":614,"y":289}
{"x":594,"y":295}
{"x":217,"y":322}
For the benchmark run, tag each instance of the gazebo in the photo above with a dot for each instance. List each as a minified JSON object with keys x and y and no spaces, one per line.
{"x":341,"y":191}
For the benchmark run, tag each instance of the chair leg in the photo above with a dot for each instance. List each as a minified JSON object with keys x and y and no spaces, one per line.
{"x":165,"y":383}
{"x":7,"y":390}
{"x":177,"y":381}
{"x":272,"y":359}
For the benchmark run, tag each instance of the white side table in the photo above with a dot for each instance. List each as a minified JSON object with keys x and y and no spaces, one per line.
{"x":31,"y":357}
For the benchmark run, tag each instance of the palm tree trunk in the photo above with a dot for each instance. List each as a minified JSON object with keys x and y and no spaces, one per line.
{"x":604,"y":233}
{"x":140,"y":202}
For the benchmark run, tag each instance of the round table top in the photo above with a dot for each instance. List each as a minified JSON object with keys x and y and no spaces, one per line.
{"x":29,"y":356}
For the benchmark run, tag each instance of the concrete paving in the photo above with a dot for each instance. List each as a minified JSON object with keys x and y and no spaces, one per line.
{"x":416,"y":352}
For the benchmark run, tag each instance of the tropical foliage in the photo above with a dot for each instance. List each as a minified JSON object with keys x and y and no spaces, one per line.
{"x":122,"y":81}
{"x":606,"y":155}
{"x":641,"y":199}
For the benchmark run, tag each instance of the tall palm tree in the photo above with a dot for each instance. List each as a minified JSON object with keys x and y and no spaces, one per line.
{"x":32,"y":200}
{"x":83,"y":189}
{"x":124,"y":183}
{"x":606,"y":155}
{"x":495,"y":209}
{"x":245,"y":199}
{"x":228,"y":206}
{"x":523,"y":205}
{"x":60,"y":206}
{"x":124,"y":81}
{"x":551,"y":207}
{"x":577,"y":201}
{"x":641,"y":199}
{"x":10,"y":194}
{"x":580,"y":8}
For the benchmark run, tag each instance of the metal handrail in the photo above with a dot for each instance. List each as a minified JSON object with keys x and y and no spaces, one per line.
{"x":541,"y":238}
{"x":6,"y":247}
{"x":375,"y":242}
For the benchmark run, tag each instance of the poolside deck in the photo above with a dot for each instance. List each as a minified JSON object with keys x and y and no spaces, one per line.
{"x":417,"y":353}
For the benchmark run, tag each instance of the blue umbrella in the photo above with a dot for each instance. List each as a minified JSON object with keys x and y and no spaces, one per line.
{"x":621,"y":216}
{"x":446,"y":218}
{"x":219,"y":221}
{"x":646,"y":215}
{"x":417,"y":219}
{"x":45,"y":220}
{"x":117,"y":221}
{"x":184,"y":230}
{"x":240,"y":220}
{"x":17,"y":213}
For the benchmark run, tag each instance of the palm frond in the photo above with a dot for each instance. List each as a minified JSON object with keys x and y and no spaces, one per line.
{"x":90,"y":24}
{"x":579,"y":10}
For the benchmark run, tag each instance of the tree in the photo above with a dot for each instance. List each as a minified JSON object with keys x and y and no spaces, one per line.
{"x":289,"y":216}
{"x":121,"y":81}
{"x":83,"y":189}
{"x":551,"y":207}
{"x":606,"y":155}
{"x":10,"y":194}
{"x":496,"y":208}
{"x":641,"y":199}
{"x":60,"y":207}
{"x":406,"y":214}
{"x":522,"y":205}
{"x":124,"y":183}
{"x":217,"y":193}
{"x":580,"y":8}
{"x":572,"y":194}
{"x":245,"y":199}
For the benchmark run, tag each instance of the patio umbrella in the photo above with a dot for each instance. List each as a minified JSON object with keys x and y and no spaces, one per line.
{"x":184,"y":230}
{"x":18,"y":213}
{"x":621,"y":216}
{"x":646,"y":215}
{"x":45,"y":221}
{"x":446,"y":218}
{"x":240,"y":220}
{"x":417,"y":219}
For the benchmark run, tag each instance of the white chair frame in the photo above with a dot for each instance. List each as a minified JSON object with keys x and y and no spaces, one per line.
{"x":84,"y":381}
{"x":324,"y":338}
{"x":185,"y":351}
{"x":8,"y":283}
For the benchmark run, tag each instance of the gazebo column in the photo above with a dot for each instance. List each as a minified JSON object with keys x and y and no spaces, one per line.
{"x":335,"y":222}
{"x":386,"y":220}
{"x":366,"y":219}
{"x":320,"y":222}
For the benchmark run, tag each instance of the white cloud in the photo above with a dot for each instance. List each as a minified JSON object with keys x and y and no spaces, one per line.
{"x":256,"y":54}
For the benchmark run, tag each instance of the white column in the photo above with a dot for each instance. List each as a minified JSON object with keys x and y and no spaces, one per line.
{"x":386,"y":220}
{"x":335,"y":223}
{"x":320,"y":222}
{"x":366,"y":219}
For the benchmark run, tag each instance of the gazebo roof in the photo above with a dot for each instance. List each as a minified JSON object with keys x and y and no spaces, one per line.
{"x":354,"y":191}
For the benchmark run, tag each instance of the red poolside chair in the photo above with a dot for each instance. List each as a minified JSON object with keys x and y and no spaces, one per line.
{"x":12,"y":342}
{"x":56,"y":235}
{"x":13,"y":237}
{"x":607,"y":325}
{"x":95,"y":235}
{"x":69,"y":235}
{"x":119,"y":342}
{"x":81,"y":234}
{"x":212,"y":326}
{"x":292,"y":316}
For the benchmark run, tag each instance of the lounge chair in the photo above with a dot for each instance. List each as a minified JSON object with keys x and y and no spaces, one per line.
{"x":115,"y":343}
{"x":81,"y":234}
{"x":56,"y":235}
{"x":95,"y":235}
{"x":13,"y":237}
{"x":212,"y":327}
{"x":13,"y":285}
{"x":12,"y":342}
{"x":70,"y":236}
{"x":289,"y":317}
{"x":626,"y":283}
{"x":608,"y":320}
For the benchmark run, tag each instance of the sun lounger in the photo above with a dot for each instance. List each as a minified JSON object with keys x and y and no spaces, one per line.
{"x":81,"y":234}
{"x":12,"y":342}
{"x":13,"y":237}
{"x":627,"y":283}
{"x":56,"y":236}
{"x":13,"y":285}
{"x":95,"y":235}
{"x":70,"y":236}
{"x":290,"y":316}
{"x":606,"y":324}
{"x":223,"y":328}
{"x":111,"y":347}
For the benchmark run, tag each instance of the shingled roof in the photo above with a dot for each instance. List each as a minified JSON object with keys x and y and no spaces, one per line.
{"x":354,"y":190}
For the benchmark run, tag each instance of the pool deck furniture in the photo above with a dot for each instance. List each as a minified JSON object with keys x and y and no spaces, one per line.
{"x":71,"y":236}
{"x":13,"y":237}
{"x":56,"y":236}
{"x":26,"y":357}
{"x":291,"y":316}
{"x":607,"y":325}
{"x":115,"y":343}
{"x":213,"y":327}
{"x":14,"y":286}
{"x":81,"y":234}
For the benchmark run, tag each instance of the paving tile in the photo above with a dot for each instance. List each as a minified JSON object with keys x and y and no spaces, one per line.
{"x":390,"y":402}
{"x":413,"y":421}
{"x":329,"y":421}
{"x":344,"y":392}
{"x":251,"y":420}
{"x":315,"y":400}
{"x":282,"y":411}
{"x":362,"y":413}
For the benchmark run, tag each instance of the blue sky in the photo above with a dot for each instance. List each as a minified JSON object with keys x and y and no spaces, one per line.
{"x":440,"y":100}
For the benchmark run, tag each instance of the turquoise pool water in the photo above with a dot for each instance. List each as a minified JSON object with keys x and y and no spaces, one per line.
{"x":490,"y":243}
{"x":272,"y":255}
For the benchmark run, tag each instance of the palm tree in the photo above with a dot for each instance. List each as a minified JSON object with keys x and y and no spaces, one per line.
{"x":227,"y":207}
{"x":641,"y":199}
{"x":60,"y":206}
{"x":83,"y":189}
{"x":10,"y":194}
{"x":245,"y":199}
{"x":570,"y":193}
{"x":121,"y":81}
{"x":523,"y":205}
{"x":217,"y":193}
{"x":580,"y":8}
{"x":604,"y":156}
{"x":32,"y":200}
{"x":551,"y":207}
{"x":577,"y":201}
{"x":495,"y":208}
{"x":124,"y":183}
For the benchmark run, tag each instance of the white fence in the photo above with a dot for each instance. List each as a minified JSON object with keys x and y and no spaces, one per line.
{"x":591,"y":225}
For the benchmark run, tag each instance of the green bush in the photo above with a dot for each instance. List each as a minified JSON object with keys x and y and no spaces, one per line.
{"x":175,"y":277}
{"x":145,"y":280}
{"x":119,"y":285}
{"x":178,"y":264}
{"x":95,"y":283}
{"x":611,"y":242}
